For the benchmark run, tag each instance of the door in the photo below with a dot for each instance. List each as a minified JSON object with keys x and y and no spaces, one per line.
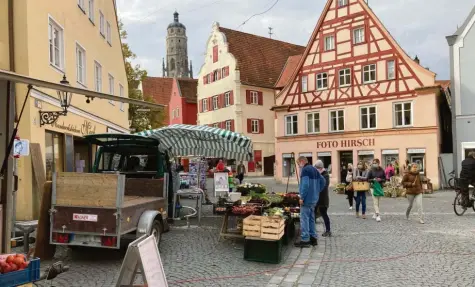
{"x":269,"y":165}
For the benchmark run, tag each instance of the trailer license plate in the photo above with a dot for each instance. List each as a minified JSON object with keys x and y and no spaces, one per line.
{"x":85,"y":217}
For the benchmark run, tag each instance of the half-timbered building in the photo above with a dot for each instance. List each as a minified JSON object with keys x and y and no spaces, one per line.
{"x":354,"y":94}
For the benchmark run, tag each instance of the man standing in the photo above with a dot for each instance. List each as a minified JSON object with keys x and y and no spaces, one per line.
{"x":241,"y":170}
{"x":467,"y":177}
{"x":311,"y":183}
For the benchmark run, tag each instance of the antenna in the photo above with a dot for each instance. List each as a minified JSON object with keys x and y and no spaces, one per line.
{"x":270,"y":32}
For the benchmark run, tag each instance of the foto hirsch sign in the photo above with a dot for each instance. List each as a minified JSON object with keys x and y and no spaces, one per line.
{"x":346,"y":143}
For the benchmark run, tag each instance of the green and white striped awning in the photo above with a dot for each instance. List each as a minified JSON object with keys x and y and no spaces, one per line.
{"x":188,"y":140}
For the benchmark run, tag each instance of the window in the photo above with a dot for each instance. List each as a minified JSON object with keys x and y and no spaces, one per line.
{"x":215,"y":74}
{"x":322,"y":81}
{"x":216,"y":126}
{"x":81,"y":5}
{"x":304,"y":83}
{"x":205,"y":105}
{"x":56,"y":53}
{"x":101,"y":24}
{"x":80,"y":64}
{"x":313,"y":123}
{"x":223,"y":72}
{"x":255,"y":126}
{"x":215,"y":102}
{"x":291,"y":125}
{"x":228,"y":125}
{"x":111,"y":87}
{"x":208,"y":80}
{"x":91,"y":10}
{"x":109,"y":33}
{"x":391,"y":70}
{"x":254,"y":98}
{"x":97,"y":77}
{"x":177,"y":112}
{"x":329,"y":43}
{"x":403,"y":114}
{"x":121,"y":94}
{"x":368,"y":117}
{"x":227,"y":99}
{"x":369,"y":73}
{"x":345,"y":77}
{"x":337,"y":121}
{"x":54,"y":154}
{"x":342,"y":3}
{"x":358,"y":36}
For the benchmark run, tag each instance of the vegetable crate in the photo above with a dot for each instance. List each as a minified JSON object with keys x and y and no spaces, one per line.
{"x":252,"y":226}
{"x":272,"y":227}
{"x":15,"y":278}
{"x":262,"y":250}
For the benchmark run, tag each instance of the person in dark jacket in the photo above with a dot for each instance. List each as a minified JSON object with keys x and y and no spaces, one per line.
{"x":376,"y":174}
{"x":467,"y":177}
{"x":311,"y":184}
{"x":324,"y":199}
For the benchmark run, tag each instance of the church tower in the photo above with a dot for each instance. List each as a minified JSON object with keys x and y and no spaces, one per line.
{"x":177,"y":51}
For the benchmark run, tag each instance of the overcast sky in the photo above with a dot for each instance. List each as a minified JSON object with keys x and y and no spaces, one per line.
{"x":420,"y":26}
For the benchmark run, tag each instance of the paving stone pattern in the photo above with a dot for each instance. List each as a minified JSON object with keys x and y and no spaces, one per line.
{"x":394,"y":252}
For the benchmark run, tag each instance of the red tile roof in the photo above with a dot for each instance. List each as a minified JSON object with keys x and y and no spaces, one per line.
{"x":290,"y":66}
{"x":188,"y":89}
{"x":158,"y":88}
{"x":260,"y":59}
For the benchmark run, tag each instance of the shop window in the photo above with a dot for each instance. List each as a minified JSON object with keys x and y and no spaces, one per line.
{"x":54,"y":153}
{"x":288,"y":165}
{"x":309,"y":157}
{"x":304,"y":83}
{"x":345,"y":77}
{"x":326,"y":158}
{"x":366,"y":157}
{"x":417,"y":156}
{"x":391,"y":157}
{"x":368,"y":117}
{"x":322,"y":81}
{"x":291,"y":125}
{"x":337,"y":121}
{"x":313,"y":123}
{"x":369,"y":74}
{"x":403,"y":114}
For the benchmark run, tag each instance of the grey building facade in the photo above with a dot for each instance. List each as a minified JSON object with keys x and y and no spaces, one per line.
{"x":462,"y":69}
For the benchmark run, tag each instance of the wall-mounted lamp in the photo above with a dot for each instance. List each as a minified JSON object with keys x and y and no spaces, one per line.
{"x":48,"y":118}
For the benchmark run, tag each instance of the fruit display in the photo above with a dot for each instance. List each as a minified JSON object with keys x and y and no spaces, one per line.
{"x":247,"y":209}
{"x":12,"y":263}
{"x":291,"y":199}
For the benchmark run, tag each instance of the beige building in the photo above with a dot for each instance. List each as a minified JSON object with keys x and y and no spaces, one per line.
{"x":235,"y":88}
{"x":79,"y":40}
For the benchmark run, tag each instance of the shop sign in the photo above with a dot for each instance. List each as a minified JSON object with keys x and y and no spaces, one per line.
{"x":287,"y":155}
{"x":221,"y":182}
{"x":365,"y":152}
{"x":21,"y":148}
{"x":87,"y":128}
{"x":306,"y":154}
{"x":323,"y":154}
{"x":416,"y":150}
{"x":391,"y":151}
{"x":345,"y":143}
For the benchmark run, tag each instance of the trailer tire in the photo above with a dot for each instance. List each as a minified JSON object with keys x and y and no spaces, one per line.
{"x":156,"y":231}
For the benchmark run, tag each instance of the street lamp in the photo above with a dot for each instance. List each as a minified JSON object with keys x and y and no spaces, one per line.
{"x":48,"y":118}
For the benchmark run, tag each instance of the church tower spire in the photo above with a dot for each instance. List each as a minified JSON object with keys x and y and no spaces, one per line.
{"x":177,"y":49}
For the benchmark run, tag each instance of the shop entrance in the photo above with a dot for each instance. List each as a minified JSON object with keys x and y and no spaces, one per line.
{"x":288,"y":165}
{"x":417,"y":156}
{"x":346,"y":157}
{"x":391,"y":157}
{"x":82,"y":155}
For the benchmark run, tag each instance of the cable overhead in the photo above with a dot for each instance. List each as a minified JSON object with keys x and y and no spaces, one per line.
{"x":258,"y":14}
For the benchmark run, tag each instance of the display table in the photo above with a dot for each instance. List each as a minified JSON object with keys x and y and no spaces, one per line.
{"x":229,"y":228}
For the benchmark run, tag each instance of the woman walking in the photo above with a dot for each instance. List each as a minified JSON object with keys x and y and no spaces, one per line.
{"x":361,"y":175}
{"x":324,"y":199}
{"x":377,"y":177}
{"x":350,"y":191}
{"x":413,"y":181}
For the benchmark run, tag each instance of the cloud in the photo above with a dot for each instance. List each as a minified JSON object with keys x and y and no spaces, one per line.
{"x":419,"y":26}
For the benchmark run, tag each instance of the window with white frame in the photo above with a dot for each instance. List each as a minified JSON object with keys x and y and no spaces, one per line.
{"x":228,"y":125}
{"x":216,"y":125}
{"x":111,"y":87}
{"x":121,"y":94}
{"x":215,"y":102}
{"x":56,"y":52}
{"x":80,"y":64}
{"x":254,"y":98}
{"x":81,"y":5}
{"x":97,"y":77}
{"x":291,"y":125}
{"x":329,"y":43}
{"x":255,"y":126}
{"x":109,"y":36}
{"x":345,"y":77}
{"x":313,"y":123}
{"x":403,"y":114}
{"x":205,"y":105}
{"x":358,"y":36}
{"x":177,"y":112}
{"x":215,"y":75}
{"x":368,"y":117}
{"x":223,"y":72}
{"x":342,"y":3}
{"x":227,"y":99}
{"x":102,"y":24}
{"x":208,"y":78}
{"x":337,"y":121}
{"x":304,"y":83}
{"x":91,"y":10}
{"x":322,"y":81}
{"x":391,"y":70}
{"x":369,"y":74}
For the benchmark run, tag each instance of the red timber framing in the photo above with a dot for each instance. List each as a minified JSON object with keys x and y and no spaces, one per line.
{"x":375,"y":46}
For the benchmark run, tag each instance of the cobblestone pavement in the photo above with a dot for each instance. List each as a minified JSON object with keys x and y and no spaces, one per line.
{"x":394,"y":252}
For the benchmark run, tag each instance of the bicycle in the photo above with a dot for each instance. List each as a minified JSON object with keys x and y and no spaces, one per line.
{"x":459,"y":200}
{"x":453,"y":181}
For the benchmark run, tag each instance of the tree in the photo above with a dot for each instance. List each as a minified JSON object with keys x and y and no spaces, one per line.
{"x":141,"y":118}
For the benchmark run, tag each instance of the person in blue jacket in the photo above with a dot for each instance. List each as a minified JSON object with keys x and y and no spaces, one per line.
{"x":311,"y":184}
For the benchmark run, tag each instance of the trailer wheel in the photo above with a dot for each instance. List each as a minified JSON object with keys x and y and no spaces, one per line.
{"x":156,"y":231}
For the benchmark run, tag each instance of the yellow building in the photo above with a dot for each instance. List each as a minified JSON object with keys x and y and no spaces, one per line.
{"x":79,"y":39}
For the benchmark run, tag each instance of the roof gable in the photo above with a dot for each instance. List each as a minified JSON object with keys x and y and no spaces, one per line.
{"x":160,"y":89}
{"x":462,"y":30}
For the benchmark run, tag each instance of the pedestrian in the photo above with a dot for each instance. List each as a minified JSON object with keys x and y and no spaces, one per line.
{"x":406,"y":166}
{"x":389,"y":171}
{"x":361,"y":175}
{"x":412,"y":181}
{"x":343,"y":174}
{"x":377,"y":178}
{"x":311,"y":184}
{"x":350,"y":192}
{"x":324,"y":199}
{"x":241,"y":170}
{"x":220,"y":166}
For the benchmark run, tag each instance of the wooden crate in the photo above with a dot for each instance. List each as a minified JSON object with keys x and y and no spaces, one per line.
{"x":272,"y":227}
{"x":252,"y":226}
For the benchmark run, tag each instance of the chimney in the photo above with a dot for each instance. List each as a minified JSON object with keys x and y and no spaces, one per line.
{"x":416,"y":59}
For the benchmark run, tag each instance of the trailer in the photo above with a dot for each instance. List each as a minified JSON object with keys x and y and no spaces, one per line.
{"x":124,"y":198}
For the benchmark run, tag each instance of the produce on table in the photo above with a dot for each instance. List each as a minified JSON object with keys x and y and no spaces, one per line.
{"x":275,"y":211}
{"x":245,"y":209}
{"x":12,"y":263}
{"x":247,"y":187}
{"x":274,"y":198}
